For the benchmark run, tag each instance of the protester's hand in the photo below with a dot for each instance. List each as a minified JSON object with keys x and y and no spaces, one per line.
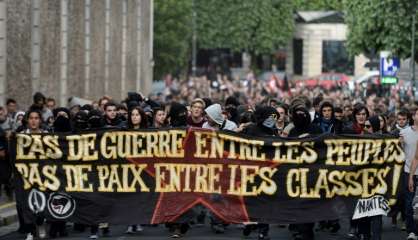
{"x":401,"y":139}
{"x":241,"y":127}
{"x":411,"y":184}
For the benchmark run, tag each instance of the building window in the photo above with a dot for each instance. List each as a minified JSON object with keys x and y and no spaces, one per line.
{"x":297,"y":56}
{"x":336,"y":59}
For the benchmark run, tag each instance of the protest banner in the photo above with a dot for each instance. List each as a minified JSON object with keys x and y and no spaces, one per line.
{"x":156,"y":176}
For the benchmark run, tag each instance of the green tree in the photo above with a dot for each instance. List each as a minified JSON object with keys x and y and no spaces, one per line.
{"x":172,"y":36}
{"x":317,"y":5}
{"x":377,"y":25}
{"x":255,"y":26}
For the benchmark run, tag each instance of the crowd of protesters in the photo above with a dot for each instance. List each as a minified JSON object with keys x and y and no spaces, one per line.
{"x":249,"y":106}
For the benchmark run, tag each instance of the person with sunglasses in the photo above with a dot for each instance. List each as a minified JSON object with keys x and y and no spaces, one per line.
{"x":372,"y":226}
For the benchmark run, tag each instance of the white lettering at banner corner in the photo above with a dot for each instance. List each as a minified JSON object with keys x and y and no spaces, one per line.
{"x":374,"y":206}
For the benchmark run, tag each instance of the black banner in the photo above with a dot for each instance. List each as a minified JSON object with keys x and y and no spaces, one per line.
{"x":156,"y":176}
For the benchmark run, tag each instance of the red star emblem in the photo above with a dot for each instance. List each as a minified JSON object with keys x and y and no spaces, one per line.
{"x":229,"y":208}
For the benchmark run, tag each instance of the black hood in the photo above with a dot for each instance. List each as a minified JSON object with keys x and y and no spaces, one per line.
{"x":62,"y":124}
{"x":80,"y":121}
{"x":178,"y":115}
{"x":301,"y":118}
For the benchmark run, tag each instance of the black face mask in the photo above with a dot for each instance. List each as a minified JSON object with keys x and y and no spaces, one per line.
{"x":96,"y":122}
{"x":80,"y":125}
{"x":62,"y":124}
{"x":233,"y":112}
{"x":122,"y":117}
{"x":301,"y":120}
{"x":180,"y":120}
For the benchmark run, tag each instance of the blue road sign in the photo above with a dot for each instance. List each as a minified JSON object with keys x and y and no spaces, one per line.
{"x":389,"y":66}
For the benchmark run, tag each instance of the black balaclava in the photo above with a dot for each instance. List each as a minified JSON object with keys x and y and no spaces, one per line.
{"x":178,"y":115}
{"x":62,"y":123}
{"x":265,"y":116}
{"x":95,"y":119}
{"x":80,"y":121}
{"x":231,"y":105}
{"x":301,"y":118}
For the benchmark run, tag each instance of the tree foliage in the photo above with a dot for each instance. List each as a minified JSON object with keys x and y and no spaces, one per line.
{"x":319,"y":5}
{"x":378,"y":25}
{"x":172,"y":35}
{"x":254,"y":26}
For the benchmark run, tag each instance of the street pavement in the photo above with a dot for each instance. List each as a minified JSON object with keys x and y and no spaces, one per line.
{"x":204,"y":233}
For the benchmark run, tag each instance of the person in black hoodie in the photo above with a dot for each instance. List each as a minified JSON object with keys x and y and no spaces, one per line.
{"x":61,"y":124}
{"x":265,"y":126}
{"x":80,"y":121}
{"x":178,"y":118}
{"x":62,"y":121}
{"x":231,"y":105}
{"x":96,"y":121}
{"x":303,"y":128}
{"x":177,"y":115}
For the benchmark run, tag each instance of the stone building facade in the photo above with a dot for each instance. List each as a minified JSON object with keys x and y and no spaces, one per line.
{"x":313,"y":30}
{"x":83,"y":48}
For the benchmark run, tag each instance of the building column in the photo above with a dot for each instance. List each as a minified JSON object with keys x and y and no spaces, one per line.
{"x":3,"y":46}
{"x":35,"y":45}
{"x":87,"y":36}
{"x":124,"y":46}
{"x":107,"y":46}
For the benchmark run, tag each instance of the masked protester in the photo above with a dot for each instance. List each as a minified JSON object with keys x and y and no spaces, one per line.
{"x":303,"y":128}
{"x":80,"y":121}
{"x":266,"y":119}
{"x":265,"y":122}
{"x":216,"y":120}
{"x":95,"y":119}
{"x":61,"y":124}
{"x":231,"y":105}
{"x":178,"y":118}
{"x":178,"y":115}
{"x":62,"y":121}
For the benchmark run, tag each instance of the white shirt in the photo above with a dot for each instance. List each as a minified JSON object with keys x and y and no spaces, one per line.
{"x":410,"y":138}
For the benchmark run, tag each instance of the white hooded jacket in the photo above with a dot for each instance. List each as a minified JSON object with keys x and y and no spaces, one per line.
{"x":214,"y":112}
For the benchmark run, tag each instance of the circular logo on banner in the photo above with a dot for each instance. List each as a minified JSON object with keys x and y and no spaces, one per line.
{"x":61,"y":205}
{"x":36,"y":201}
